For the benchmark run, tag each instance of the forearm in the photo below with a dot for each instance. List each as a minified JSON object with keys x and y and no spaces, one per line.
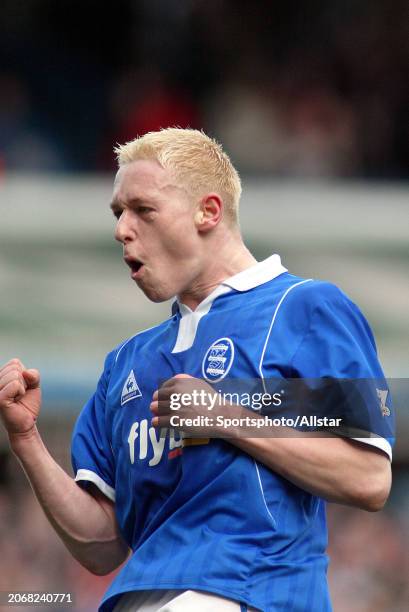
{"x":86,"y":526}
{"x":333,"y":468}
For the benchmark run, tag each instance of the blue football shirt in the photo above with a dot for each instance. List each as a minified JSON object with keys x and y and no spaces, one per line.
{"x":208,"y":516}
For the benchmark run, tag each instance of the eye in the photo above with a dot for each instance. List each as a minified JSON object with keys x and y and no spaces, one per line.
{"x":146,"y":212}
{"x":117,"y":213}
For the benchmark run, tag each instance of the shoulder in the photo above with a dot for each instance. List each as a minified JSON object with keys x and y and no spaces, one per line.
{"x":305,"y":296}
{"x":320,"y":309}
{"x":313,"y":303}
{"x":138,"y":339}
{"x":312,"y":291}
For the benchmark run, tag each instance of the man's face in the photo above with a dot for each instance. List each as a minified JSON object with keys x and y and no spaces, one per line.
{"x":156,"y":227}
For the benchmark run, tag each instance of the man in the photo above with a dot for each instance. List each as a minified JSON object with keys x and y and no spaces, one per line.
{"x":212,"y":524}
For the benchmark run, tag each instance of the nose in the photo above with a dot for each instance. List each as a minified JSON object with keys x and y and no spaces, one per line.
{"x":124,"y":231}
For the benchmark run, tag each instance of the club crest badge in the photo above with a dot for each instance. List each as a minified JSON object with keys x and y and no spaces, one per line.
{"x":218,"y":360}
{"x":130,"y":390}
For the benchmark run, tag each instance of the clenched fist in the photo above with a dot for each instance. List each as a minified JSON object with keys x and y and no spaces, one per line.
{"x":20,"y":397}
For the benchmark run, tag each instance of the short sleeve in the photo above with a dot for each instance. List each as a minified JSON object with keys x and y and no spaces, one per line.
{"x":338,"y":344}
{"x":91,"y":453}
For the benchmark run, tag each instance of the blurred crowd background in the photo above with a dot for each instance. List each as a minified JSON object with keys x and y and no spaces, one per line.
{"x":297,"y":92}
{"x":315,"y":88}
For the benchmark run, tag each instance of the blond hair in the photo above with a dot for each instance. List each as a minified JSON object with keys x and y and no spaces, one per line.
{"x":196,"y":161}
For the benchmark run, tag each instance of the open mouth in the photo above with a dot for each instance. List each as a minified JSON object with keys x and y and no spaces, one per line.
{"x":134,"y":264}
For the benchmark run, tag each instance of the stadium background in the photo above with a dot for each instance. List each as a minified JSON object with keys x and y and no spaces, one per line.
{"x":310,"y":101}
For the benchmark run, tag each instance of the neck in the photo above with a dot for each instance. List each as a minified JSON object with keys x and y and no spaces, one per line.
{"x":232,"y":257}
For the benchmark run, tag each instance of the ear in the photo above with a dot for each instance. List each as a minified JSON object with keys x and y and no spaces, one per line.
{"x":209,"y":213}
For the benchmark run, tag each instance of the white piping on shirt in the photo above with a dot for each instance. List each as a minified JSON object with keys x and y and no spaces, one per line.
{"x":260,"y":368}
{"x":262,"y":493}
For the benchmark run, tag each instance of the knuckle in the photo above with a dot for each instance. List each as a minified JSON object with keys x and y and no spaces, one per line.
{"x":13,"y":389}
{"x":15,"y":385}
{"x":15,"y":377}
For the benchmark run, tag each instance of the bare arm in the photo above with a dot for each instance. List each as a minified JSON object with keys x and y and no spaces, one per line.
{"x":85,"y":522}
{"x":336,"y":469}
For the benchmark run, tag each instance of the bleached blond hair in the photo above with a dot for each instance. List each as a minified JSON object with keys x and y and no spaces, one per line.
{"x":196,"y":162}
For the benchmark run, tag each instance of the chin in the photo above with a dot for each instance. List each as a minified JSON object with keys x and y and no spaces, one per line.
{"x":156,"y":295}
{"x":156,"y":298}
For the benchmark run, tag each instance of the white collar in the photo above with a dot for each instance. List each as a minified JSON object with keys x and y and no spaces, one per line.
{"x":205,"y":304}
{"x":260,"y":273}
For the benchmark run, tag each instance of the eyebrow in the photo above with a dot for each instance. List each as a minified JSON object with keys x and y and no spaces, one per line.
{"x":116,"y":205}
